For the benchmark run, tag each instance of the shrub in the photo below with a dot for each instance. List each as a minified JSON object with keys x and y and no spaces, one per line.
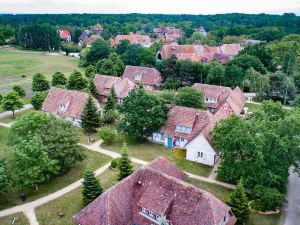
{"x":20,"y":90}
{"x":39,"y":83}
{"x":110,"y":116}
{"x":58,"y":79}
{"x":38,"y":99}
{"x":115,"y":163}
{"x":107,"y":134}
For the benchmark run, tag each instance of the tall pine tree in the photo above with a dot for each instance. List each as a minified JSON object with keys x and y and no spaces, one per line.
{"x":239,"y":204}
{"x":125,"y":167}
{"x":90,"y":117}
{"x":290,"y":61}
{"x":91,"y":187}
{"x":92,"y":88}
{"x":111,"y":101}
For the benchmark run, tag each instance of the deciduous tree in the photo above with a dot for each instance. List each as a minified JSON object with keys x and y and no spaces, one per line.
{"x":12,"y":102}
{"x":77,"y":81}
{"x":39,"y":83}
{"x":38,"y":99}
{"x":190,"y":97}
{"x":20,"y":90}
{"x":58,"y":79}
{"x":5,"y":178}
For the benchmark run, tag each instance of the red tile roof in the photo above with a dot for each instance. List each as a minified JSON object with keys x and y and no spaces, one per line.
{"x":74,"y":101}
{"x":188,"y":117}
{"x":219,"y":93}
{"x":64,"y":34}
{"x":152,"y":189}
{"x":104,"y":84}
{"x":143,"y":40}
{"x":149,"y":76}
{"x":97,"y":27}
{"x":201,"y":53}
{"x":92,"y":38}
{"x":237,"y":100}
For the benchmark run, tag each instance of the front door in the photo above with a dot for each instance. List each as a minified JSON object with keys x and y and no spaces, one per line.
{"x":170,"y":142}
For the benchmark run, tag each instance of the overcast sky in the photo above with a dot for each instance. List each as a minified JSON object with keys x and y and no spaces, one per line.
{"x":150,"y":6}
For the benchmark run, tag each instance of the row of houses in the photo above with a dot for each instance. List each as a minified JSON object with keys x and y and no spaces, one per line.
{"x":155,"y":190}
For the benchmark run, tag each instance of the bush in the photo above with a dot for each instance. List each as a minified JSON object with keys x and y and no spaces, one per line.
{"x":58,"y":79}
{"x":38,"y":99}
{"x":115,"y":163}
{"x":107,"y":134}
{"x":267,"y":198}
{"x":39,"y":83}
{"x":110,"y":116}
{"x":20,"y":90}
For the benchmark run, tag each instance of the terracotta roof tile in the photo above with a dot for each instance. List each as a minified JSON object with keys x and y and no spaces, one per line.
{"x":92,"y":39}
{"x":74,"y":101}
{"x":143,"y":40}
{"x":149,"y":76}
{"x":163,"y":194}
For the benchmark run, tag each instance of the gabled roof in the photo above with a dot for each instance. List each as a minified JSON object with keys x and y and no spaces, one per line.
{"x":64,"y":34}
{"x":237,"y":100}
{"x":219,"y":93}
{"x":92,"y":39}
{"x":143,"y":40}
{"x":73,"y":101}
{"x":149,"y":76}
{"x":188,"y":117}
{"x":84,"y":35}
{"x":104,"y":83}
{"x":201,"y":53}
{"x":154,"y":190}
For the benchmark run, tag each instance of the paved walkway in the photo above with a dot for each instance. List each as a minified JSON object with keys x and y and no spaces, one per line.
{"x":213,"y":173}
{"x":8,"y":125}
{"x":8,"y":113}
{"x":28,"y":208}
{"x":97,"y":148}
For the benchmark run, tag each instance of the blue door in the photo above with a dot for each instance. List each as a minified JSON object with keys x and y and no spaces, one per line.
{"x":170,"y":142}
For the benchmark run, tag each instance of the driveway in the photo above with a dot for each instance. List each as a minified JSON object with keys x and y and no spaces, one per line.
{"x":292,"y":214}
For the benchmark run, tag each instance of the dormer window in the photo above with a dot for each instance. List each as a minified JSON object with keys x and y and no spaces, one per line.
{"x":138,"y":77}
{"x":211,"y":100}
{"x":184,"y":129}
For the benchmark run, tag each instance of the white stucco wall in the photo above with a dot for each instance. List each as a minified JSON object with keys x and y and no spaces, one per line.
{"x":200,"y":144}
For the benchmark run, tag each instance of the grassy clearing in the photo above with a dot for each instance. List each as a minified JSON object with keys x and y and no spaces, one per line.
{"x":18,"y":66}
{"x":20,"y":219}
{"x":253,"y":107}
{"x":84,"y":138}
{"x":10,"y":119}
{"x":148,"y":151}
{"x":49,"y":213}
{"x":223,"y":194}
{"x":93,"y":159}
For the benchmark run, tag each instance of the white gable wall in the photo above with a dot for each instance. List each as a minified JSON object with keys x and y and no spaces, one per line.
{"x":199,"y":150}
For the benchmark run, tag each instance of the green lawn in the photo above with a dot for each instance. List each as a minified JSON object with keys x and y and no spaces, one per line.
{"x":94,"y":160}
{"x":223,"y":194}
{"x":49,"y":213}
{"x":20,"y":219}
{"x":18,"y":66}
{"x":84,"y":138}
{"x":148,"y":151}
{"x":253,"y":107}
{"x":10,"y":119}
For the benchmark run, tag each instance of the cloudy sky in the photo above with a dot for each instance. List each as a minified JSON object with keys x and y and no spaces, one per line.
{"x":150,"y":6}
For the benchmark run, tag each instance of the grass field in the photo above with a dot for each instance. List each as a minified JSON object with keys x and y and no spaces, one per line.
{"x":253,"y":107}
{"x":19,"y":219}
{"x":93,"y":160}
{"x":148,"y":151}
{"x":18,"y":66}
{"x":49,"y":213}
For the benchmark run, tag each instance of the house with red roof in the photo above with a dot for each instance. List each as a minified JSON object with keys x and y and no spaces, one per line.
{"x":92,"y":39}
{"x":168,"y":34}
{"x":64,"y":35}
{"x":67,"y":104}
{"x":155,"y":190}
{"x":138,"y":39}
{"x":200,"y":53}
{"x":104,"y":84}
{"x":218,"y":96}
{"x":150,"y":78}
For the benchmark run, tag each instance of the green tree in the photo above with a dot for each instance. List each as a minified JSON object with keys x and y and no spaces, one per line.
{"x":25,"y":127}
{"x":122,"y":47}
{"x":20,"y":90}
{"x":171,"y":84}
{"x":296,"y":102}
{"x":190,"y":97}
{"x":92,"y":88}
{"x":5,"y":178}
{"x":60,"y":139}
{"x":111,"y":101}
{"x":234,"y":75}
{"x":216,"y":73}
{"x":58,"y":79}
{"x":132,"y":55}
{"x":38,"y":99}
{"x":110,"y":116}
{"x":107,"y":134}
{"x":290,"y":61}
{"x":100,"y":50}
{"x":90,"y":72}
{"x":142,"y":114}
{"x":76,"y":81}
{"x":32,"y":164}
{"x":39,"y":83}
{"x":90,"y":117}
{"x":12,"y":102}
{"x":125,"y":165}
{"x":239,"y":204}
{"x":113,"y":65}
{"x":91,"y":187}
{"x":1,"y":99}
